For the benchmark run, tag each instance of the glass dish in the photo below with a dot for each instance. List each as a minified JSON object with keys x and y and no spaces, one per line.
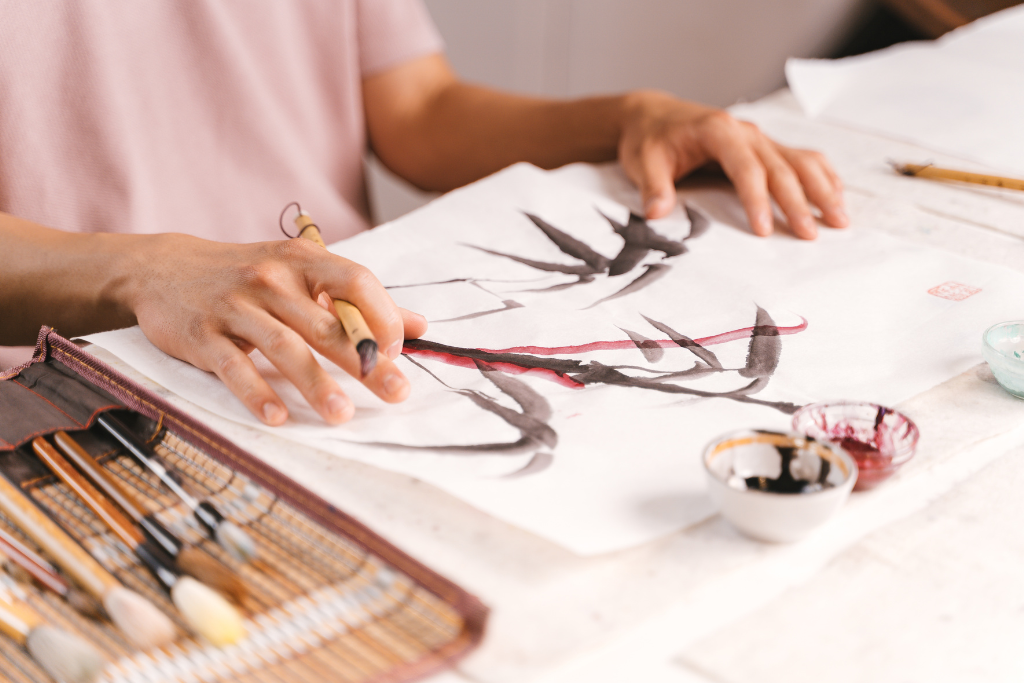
{"x":880,"y":439}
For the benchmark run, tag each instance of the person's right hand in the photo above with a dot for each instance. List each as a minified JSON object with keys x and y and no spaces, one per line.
{"x":210,"y":304}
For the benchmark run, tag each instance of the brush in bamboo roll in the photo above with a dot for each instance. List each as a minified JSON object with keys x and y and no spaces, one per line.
{"x":187,"y":559}
{"x":205,"y":610}
{"x":136,"y":617}
{"x":230,"y":537}
{"x":351,"y":319}
{"x":19,"y":561}
{"x":66,"y":657}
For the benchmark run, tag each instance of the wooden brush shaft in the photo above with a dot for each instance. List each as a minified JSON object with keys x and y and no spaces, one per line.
{"x":17,"y":620}
{"x":61,"y":548}
{"x":351,"y":318}
{"x":40,"y":569}
{"x":935,"y":173}
{"x":99,"y":476}
{"x":102,"y":507}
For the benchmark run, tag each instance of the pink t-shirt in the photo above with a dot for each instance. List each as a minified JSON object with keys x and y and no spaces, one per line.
{"x":205,"y":117}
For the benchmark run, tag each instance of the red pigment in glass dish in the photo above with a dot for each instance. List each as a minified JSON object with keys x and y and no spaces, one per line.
{"x":875,"y":466}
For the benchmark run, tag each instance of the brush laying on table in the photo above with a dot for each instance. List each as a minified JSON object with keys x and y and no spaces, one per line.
{"x":238,"y":543}
{"x":351,"y":319}
{"x":23,"y":564}
{"x":136,"y":617}
{"x":206,"y":612}
{"x":933,"y":172}
{"x":66,"y":657}
{"x":187,"y":559}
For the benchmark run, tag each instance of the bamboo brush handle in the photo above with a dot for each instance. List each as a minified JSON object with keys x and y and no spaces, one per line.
{"x":17,"y":620}
{"x":39,"y":568}
{"x":351,"y":319}
{"x":62,"y":549}
{"x":935,"y":173}
{"x":102,"y":507}
{"x":99,"y":476}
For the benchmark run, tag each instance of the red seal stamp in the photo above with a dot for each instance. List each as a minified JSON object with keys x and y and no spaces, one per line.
{"x":954,"y":291}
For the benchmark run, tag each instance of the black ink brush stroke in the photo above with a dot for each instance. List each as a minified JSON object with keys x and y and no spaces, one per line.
{"x":532,"y":422}
{"x":652,"y":274}
{"x":765,"y":348}
{"x":597,"y":373}
{"x":682,"y":340}
{"x":638,"y":235}
{"x":581,"y":280}
{"x":570,"y":245}
{"x":699,"y":222}
{"x":508,"y":305}
{"x":567,"y":268}
{"x":650,"y":348}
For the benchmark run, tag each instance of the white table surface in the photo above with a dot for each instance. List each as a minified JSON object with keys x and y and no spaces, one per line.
{"x":921,"y":579}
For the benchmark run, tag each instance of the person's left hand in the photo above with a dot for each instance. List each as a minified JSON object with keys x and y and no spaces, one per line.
{"x":664,"y":139}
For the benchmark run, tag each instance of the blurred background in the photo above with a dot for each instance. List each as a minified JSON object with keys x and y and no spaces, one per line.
{"x":714,"y":51}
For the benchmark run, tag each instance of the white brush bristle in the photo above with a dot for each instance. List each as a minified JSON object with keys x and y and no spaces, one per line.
{"x":138,"y":618}
{"x":207,"y":612}
{"x":238,"y":543}
{"x":67,"y":658}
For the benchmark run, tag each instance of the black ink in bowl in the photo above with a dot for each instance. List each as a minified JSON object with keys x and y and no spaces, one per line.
{"x":777,"y":486}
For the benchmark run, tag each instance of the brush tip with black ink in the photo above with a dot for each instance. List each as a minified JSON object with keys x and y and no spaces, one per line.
{"x":367,"y":349}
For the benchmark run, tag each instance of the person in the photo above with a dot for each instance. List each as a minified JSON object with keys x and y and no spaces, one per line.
{"x":157,"y":143}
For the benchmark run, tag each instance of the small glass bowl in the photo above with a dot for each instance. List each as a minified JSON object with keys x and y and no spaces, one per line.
{"x":880,"y":439}
{"x":1002,"y":346}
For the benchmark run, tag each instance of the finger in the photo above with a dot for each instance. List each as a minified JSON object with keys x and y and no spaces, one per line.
{"x":784,"y":184}
{"x":415,"y":324}
{"x":286,"y":349}
{"x":655,"y":168}
{"x":318,"y":324}
{"x":821,"y":185}
{"x":730,"y":145}
{"x":223,"y":357}
{"x":348,"y":281}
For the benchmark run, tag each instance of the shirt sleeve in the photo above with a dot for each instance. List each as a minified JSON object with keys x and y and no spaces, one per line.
{"x":394,"y":31}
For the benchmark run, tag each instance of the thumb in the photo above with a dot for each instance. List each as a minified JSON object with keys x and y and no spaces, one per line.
{"x":656,"y":181}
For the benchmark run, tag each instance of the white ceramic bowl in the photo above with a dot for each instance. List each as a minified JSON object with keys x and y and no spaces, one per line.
{"x":747,"y":480}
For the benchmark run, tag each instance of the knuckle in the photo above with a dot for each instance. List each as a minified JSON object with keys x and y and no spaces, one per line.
{"x":278,"y":340}
{"x":360,"y":278}
{"x":325,"y":331}
{"x":229,"y":365}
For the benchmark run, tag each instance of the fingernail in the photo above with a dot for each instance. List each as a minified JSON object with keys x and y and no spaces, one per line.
{"x":273,"y":413}
{"x":324,"y":301}
{"x":764,"y":223}
{"x":395,"y":349}
{"x":394,"y":384}
{"x":654,"y":203}
{"x":841,"y":217}
{"x":338,"y":405}
{"x":808,"y":227}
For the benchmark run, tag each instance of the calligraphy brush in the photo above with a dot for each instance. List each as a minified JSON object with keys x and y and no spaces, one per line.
{"x":15,"y":557}
{"x":64,"y":656}
{"x":205,"y":610}
{"x":235,"y":541}
{"x":187,"y":559}
{"x":135,"y":616}
{"x":350,"y":317}
{"x":238,"y":543}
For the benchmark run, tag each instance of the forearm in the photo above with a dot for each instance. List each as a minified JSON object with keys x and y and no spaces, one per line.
{"x":454,"y":133}
{"x":74,"y":282}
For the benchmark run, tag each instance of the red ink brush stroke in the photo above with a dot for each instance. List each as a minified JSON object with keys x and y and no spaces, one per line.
{"x":626,"y":344}
{"x":551,"y":375}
